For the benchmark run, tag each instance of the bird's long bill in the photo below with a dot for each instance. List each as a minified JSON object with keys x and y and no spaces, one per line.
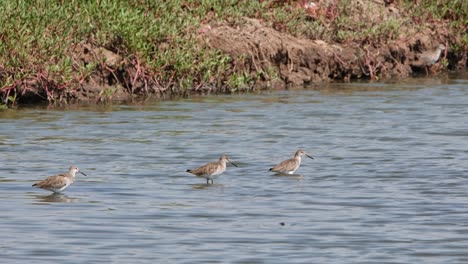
{"x":83,"y":173}
{"x":309,"y":156}
{"x":234,"y":164}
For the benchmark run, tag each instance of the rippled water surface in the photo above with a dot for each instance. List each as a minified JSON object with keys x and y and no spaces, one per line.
{"x":388,"y":182}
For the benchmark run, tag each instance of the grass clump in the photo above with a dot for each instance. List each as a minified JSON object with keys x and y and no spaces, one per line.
{"x":452,"y":15}
{"x":156,"y":41}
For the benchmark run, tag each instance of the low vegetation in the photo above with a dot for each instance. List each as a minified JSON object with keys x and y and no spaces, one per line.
{"x":157,"y":47}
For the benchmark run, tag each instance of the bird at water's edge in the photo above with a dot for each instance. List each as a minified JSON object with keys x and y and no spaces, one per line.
{"x":59,"y":182}
{"x":212,"y":170}
{"x":289,"y":166}
{"x":430,"y":57}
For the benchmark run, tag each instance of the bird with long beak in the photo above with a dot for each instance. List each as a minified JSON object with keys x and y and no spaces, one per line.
{"x":58,"y":183}
{"x":212,"y":170}
{"x":289,"y":166}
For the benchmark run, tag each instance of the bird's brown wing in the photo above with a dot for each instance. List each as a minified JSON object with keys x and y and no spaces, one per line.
{"x":56,"y":181}
{"x":206,"y":169}
{"x":286,"y":165}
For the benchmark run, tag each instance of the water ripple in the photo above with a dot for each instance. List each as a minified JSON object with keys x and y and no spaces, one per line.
{"x":387,"y":184}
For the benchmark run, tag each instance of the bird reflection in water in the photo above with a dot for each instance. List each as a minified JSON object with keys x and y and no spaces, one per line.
{"x":298,"y":177}
{"x":54,"y":198}
{"x":207,"y":185}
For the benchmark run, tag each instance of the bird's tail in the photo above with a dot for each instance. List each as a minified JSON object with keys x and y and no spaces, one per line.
{"x":271,"y":169}
{"x":189,"y":171}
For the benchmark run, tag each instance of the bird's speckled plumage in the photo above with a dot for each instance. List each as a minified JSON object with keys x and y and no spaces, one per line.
{"x":431,"y":56}
{"x":290,"y":166}
{"x":59,"y":182}
{"x":212,"y":170}
{"x":428,"y":58}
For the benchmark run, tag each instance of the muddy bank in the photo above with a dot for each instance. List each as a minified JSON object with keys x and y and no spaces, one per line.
{"x":261,"y":54}
{"x":300,"y":61}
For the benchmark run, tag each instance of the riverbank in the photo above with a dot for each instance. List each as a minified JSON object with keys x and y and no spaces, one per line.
{"x":124,"y":50}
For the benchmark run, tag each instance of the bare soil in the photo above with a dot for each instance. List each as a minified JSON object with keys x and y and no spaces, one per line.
{"x":302,"y":61}
{"x":258,"y":48}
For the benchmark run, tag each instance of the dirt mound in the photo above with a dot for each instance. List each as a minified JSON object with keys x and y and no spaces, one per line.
{"x":370,"y":39}
{"x":301,"y":61}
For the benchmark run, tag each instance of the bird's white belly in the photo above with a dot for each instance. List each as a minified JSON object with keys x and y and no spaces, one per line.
{"x":60,"y":189}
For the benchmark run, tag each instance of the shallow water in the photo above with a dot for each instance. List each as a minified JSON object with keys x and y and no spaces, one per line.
{"x":388,"y":183}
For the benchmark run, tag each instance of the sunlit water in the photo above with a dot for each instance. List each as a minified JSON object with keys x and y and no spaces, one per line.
{"x":388,"y":182}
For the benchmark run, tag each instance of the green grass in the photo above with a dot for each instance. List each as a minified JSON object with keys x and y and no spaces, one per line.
{"x":453,"y":13}
{"x":159,"y":35}
{"x":158,"y":40}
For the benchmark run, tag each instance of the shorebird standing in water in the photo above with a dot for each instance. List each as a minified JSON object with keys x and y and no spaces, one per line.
{"x":430,"y":57}
{"x":59,"y":182}
{"x":291,"y":165}
{"x":212,"y":170}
